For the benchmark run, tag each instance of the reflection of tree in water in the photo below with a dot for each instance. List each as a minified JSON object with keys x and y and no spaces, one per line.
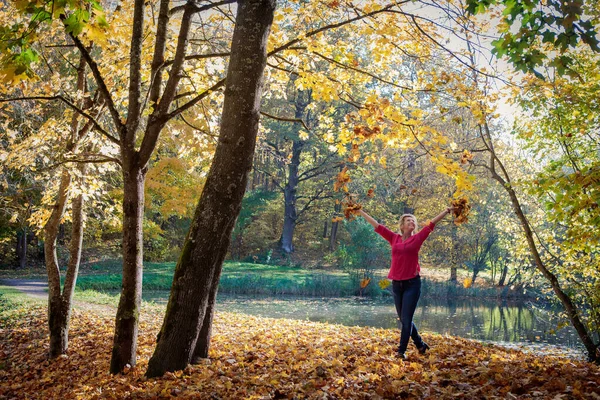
{"x":472,"y":319}
{"x":508,"y":324}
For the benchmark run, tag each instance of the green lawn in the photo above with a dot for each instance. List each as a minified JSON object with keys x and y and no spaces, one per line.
{"x":238,"y":278}
{"x":261,"y":279}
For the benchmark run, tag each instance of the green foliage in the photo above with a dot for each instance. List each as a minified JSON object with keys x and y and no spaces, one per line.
{"x":18,"y":40}
{"x":365,"y":252}
{"x":560,"y":24}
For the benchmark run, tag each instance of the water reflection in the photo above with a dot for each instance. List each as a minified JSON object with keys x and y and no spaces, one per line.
{"x":475,"y":319}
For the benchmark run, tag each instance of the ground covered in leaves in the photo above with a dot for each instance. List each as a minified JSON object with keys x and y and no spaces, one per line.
{"x":260,"y":358}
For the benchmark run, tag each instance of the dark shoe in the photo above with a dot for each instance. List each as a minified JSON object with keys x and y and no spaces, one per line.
{"x":401,"y":356}
{"x":423,"y":349}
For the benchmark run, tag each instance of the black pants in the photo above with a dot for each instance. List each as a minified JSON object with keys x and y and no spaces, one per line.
{"x":406,"y":297}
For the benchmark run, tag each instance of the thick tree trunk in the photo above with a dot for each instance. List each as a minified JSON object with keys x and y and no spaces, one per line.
{"x":203,"y":342}
{"x":199,"y":267}
{"x":127,"y":319}
{"x":290,"y":192}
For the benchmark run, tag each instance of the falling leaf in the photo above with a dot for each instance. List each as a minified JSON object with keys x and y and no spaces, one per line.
{"x":384,"y":284}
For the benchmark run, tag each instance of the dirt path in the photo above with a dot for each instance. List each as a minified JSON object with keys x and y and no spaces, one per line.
{"x":37,"y":288}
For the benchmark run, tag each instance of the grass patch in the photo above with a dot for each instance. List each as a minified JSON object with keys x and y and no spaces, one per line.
{"x":15,"y":305}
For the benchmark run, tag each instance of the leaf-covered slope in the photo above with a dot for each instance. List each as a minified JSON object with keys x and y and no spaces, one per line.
{"x":265,"y":358}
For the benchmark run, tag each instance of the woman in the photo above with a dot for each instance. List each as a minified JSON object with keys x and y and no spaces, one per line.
{"x":404,"y":272}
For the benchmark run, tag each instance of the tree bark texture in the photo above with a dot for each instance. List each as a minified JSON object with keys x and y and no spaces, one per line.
{"x":290,"y":192}
{"x":199,"y":267}
{"x":127,"y":319}
{"x":289,"y":195}
{"x":56,"y":316}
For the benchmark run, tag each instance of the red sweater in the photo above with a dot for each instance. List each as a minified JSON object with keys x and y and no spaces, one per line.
{"x":405,"y":254}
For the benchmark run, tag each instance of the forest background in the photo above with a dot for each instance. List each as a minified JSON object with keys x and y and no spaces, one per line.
{"x":402,"y":111}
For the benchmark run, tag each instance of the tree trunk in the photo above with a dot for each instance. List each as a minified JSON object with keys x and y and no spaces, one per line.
{"x":127,"y":319}
{"x":199,"y":267}
{"x":21,"y":248}
{"x":203,"y":342}
{"x":325,"y":229}
{"x":334,"y":227}
{"x":503,"y":274}
{"x":291,"y":188}
{"x":570,"y":308}
{"x":454,"y":260}
{"x":56,"y":316}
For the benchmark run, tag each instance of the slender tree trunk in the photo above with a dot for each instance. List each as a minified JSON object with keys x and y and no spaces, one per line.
{"x":570,"y":308}
{"x":325,"y":229}
{"x":22,"y":248}
{"x":289,"y":195}
{"x":56,"y":316}
{"x":454,"y":261}
{"x":334,"y":227}
{"x":503,"y":274}
{"x":127,"y":319}
{"x":199,"y":267}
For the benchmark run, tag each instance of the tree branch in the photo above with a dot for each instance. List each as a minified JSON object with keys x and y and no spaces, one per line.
{"x":274,"y":178}
{"x":196,"y":128}
{"x":195,"y":100}
{"x":197,"y":9}
{"x":134,"y":108}
{"x":331,"y":60}
{"x":100,"y":82}
{"x":70,"y":105}
{"x":333,"y":26}
{"x":284,"y":119}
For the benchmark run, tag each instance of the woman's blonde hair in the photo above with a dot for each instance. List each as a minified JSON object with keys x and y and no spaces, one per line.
{"x":403,"y":217}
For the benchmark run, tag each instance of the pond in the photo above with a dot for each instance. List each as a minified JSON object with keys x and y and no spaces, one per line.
{"x":519,"y":325}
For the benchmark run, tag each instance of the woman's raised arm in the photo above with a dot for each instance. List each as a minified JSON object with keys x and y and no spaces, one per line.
{"x":369,"y":218}
{"x":442,"y":215}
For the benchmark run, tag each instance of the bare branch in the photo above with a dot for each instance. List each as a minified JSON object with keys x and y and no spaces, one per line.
{"x":70,"y":105}
{"x":196,"y":128}
{"x":197,"y":9}
{"x":100,"y":82}
{"x":195,"y":100}
{"x":284,"y":119}
{"x":291,"y":43}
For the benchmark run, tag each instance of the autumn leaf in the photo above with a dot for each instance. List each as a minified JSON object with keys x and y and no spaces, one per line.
{"x":365,"y":282}
{"x":384,"y":284}
{"x":467,"y":283}
{"x":257,"y":357}
{"x":343,"y":178}
{"x":466,"y":157}
{"x":461,"y":209}
{"x":371,"y":193}
{"x":351,"y":208}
